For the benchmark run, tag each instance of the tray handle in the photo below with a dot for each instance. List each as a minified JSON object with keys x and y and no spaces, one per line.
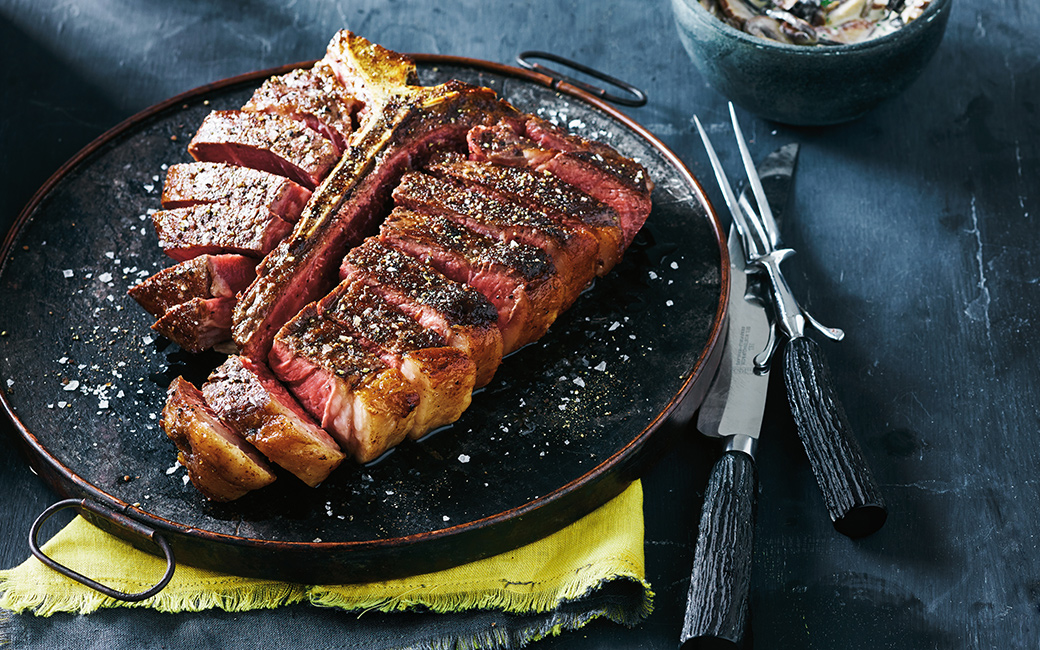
{"x":632,"y":96}
{"x":118,"y":519}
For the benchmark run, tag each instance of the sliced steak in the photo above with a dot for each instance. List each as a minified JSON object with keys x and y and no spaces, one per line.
{"x":205,"y":276}
{"x":312,"y":95}
{"x":455,"y":311}
{"x":367,"y":406}
{"x":220,"y":464}
{"x":592,"y":167}
{"x":543,"y":191}
{"x":348,"y":205}
{"x":213,"y":228}
{"x":270,"y":143}
{"x":442,"y":376}
{"x":197,"y":324}
{"x":573,"y":250}
{"x":250,"y":400}
{"x":518,"y":279}
{"x":214,"y":182}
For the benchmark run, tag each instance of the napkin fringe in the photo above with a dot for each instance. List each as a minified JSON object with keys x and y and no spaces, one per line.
{"x":16,"y":597}
{"x":501,"y":599}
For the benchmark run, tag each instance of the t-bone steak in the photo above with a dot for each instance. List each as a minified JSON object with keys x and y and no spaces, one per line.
{"x":366,"y":250}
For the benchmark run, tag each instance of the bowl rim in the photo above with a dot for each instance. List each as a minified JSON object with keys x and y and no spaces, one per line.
{"x":930,"y":14}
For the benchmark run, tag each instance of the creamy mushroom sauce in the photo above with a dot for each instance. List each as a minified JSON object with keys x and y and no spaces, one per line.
{"x":817,"y":22}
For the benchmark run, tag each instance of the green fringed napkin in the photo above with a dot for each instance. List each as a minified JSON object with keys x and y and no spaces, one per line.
{"x":550,"y":576}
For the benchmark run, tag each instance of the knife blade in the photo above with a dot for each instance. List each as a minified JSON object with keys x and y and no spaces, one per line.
{"x":718,"y":601}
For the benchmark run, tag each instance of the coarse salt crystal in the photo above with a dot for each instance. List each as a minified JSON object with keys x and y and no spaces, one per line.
{"x":71,"y":386}
{"x":601,"y":366}
{"x":614,"y":326}
{"x":674,"y":265}
{"x":668,"y":303}
{"x":463,"y":458}
{"x":579,"y":382}
{"x":67,"y":273}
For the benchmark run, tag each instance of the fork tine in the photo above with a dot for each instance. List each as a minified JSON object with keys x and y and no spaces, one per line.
{"x":739,"y":220}
{"x":766,"y":223}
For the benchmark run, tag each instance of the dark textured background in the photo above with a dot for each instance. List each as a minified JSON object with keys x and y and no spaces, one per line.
{"x":916,"y":233}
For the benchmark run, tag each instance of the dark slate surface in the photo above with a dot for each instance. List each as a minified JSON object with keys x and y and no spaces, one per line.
{"x":916,"y":233}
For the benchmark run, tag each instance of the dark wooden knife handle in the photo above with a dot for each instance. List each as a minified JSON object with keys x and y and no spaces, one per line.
{"x":852,"y":497}
{"x":719,"y":600}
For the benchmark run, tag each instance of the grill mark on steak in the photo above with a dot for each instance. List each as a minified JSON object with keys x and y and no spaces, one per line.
{"x":518,"y":279}
{"x":271,"y":143}
{"x":312,"y":95}
{"x":457,"y":312}
{"x":190,"y":184}
{"x":249,"y":399}
{"x":350,"y":202}
{"x":220,"y":464}
{"x":210,"y":228}
{"x":367,"y":406}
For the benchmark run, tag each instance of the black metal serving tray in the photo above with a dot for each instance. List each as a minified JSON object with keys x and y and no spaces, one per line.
{"x":567,"y":423}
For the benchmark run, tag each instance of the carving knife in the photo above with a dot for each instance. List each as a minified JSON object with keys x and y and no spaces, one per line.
{"x":718,"y":603}
{"x":853,"y":499}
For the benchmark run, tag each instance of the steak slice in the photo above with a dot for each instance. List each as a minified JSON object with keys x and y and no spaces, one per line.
{"x":455,"y":311}
{"x":220,"y":464}
{"x":518,"y":279}
{"x":212,"y":228}
{"x":347,"y":206}
{"x":442,"y":376}
{"x":367,"y":406}
{"x":215,"y":182}
{"x":312,"y":95}
{"x":250,"y":400}
{"x":592,"y":167}
{"x":205,"y":276}
{"x":270,"y":143}
{"x":542,"y":191}
{"x":573,"y":250}
{"x":197,"y":324}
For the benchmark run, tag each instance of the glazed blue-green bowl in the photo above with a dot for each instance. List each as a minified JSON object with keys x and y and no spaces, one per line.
{"x":808,"y":85}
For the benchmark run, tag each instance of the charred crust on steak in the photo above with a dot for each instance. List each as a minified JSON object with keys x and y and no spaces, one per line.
{"x":389,"y":268}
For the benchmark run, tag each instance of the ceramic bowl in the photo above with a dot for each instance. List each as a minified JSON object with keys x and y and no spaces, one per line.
{"x":808,"y":85}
